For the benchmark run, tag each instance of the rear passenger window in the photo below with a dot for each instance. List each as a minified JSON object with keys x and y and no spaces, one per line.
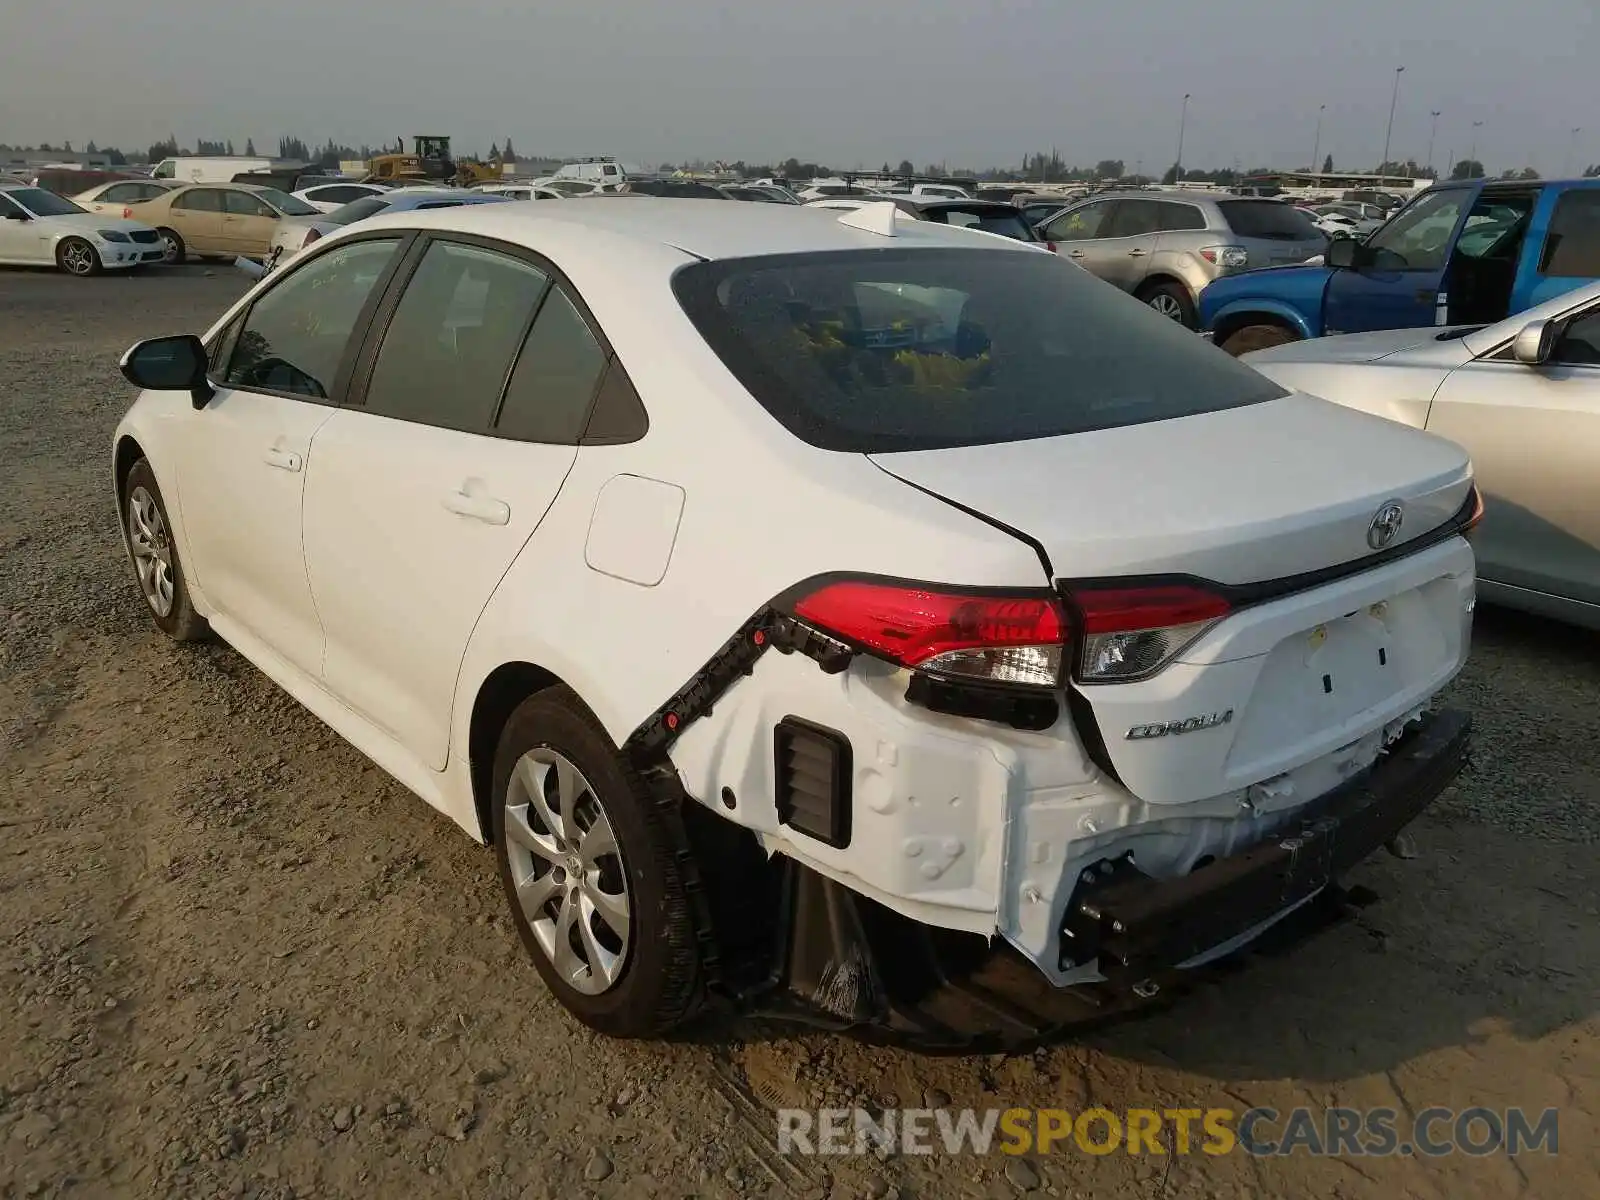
{"x":450,"y":345}
{"x":200,"y":200}
{"x":555,"y":377}
{"x":1135,"y":218}
{"x":1175,"y":218}
{"x":294,"y":336}
{"x":1572,"y":247}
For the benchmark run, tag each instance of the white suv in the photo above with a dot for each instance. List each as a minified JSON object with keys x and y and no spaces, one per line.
{"x":849,"y":610}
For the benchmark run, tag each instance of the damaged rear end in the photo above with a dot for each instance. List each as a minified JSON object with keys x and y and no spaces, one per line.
{"x":985,"y":813}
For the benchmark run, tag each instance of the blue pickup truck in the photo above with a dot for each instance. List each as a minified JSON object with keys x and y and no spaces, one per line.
{"x":1468,"y":253}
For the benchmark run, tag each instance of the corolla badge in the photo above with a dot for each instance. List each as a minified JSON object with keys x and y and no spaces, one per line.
{"x":1386,"y":522}
{"x":1141,"y":733}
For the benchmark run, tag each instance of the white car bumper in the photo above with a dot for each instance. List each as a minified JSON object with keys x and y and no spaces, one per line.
{"x":120,"y":256}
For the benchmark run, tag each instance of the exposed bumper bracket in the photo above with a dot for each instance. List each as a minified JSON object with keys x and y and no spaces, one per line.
{"x":848,"y":963}
{"x":1137,"y":926}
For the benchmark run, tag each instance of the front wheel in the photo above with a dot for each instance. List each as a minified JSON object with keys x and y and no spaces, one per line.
{"x":74,"y":256}
{"x":589,"y":865}
{"x":172,"y":246}
{"x":1257,"y":337}
{"x":155,"y":558}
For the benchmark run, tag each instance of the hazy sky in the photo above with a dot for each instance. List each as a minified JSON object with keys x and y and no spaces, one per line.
{"x":846,"y":82}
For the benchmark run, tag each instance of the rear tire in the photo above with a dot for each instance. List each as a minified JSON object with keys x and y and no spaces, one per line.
{"x":172,"y":242}
{"x":75,"y":256}
{"x":1258,"y":337}
{"x":148,"y":534}
{"x":1171,"y":300}
{"x":584,"y":847}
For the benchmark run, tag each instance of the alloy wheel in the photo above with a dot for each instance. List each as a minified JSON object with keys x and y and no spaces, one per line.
{"x":568,"y":871}
{"x":1167,"y":305}
{"x":152,"y":550}
{"x":78,"y":257}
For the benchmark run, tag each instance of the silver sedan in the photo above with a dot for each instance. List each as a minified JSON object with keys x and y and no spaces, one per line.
{"x":1523,"y":398}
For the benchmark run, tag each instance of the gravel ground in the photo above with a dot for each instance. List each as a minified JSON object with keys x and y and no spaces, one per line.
{"x":238,"y":960}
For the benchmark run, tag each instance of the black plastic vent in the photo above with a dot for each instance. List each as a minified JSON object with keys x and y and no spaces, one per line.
{"x":813,"y":773}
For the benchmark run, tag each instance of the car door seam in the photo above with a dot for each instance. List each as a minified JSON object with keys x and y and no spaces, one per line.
{"x":305,"y":559}
{"x":466,"y":644}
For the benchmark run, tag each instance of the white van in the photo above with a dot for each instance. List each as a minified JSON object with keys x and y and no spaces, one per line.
{"x":607,"y":172}
{"x":940,"y":191}
{"x":221,"y":169}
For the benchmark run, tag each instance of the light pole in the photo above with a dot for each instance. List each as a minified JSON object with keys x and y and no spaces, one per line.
{"x":1316,"y":145}
{"x":1572,"y":142}
{"x":1472,"y":155}
{"x":1432,"y":132}
{"x":1389,"y":132}
{"x":1183,"y":122}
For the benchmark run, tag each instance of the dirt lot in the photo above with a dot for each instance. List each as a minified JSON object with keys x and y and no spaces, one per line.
{"x":237,"y":960}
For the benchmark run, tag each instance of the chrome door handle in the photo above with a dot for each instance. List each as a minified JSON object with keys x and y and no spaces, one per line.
{"x":1074,"y":253}
{"x":471,"y":503}
{"x":284,"y":460}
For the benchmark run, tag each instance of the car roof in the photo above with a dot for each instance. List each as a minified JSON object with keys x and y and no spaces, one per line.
{"x":707,"y":231}
{"x":243,"y":187}
{"x":401,"y":199}
{"x":954,"y":202}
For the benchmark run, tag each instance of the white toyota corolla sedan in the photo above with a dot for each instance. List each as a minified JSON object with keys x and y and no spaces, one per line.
{"x":831,"y":613}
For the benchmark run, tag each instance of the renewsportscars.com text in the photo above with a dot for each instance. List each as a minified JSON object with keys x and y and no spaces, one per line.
{"x":1331,"y":1132}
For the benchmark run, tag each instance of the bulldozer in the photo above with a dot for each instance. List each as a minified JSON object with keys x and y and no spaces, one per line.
{"x":430,"y":162}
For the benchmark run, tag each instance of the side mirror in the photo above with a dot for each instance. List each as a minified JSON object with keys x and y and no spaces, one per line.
{"x":16,"y":214}
{"x":169,"y":364}
{"x":1343,"y":254}
{"x":1533,"y":345}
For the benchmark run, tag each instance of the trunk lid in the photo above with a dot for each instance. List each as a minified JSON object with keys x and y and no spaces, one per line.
{"x":1251,"y":495}
{"x":1238,"y":496}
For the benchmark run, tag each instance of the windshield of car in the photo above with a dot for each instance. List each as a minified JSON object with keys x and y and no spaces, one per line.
{"x":289,"y":206}
{"x":1271,"y":219}
{"x":1007,"y":222}
{"x":357,"y":210}
{"x":680,"y":189}
{"x":886,"y":350}
{"x":44,"y":204}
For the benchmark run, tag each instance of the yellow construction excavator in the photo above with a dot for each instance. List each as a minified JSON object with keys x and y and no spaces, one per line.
{"x":430,"y":162}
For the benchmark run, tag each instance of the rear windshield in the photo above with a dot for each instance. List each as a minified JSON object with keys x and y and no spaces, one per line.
{"x":885,"y":350}
{"x":357,"y":210}
{"x":1008,"y":222}
{"x":289,"y":206}
{"x":675,"y":188}
{"x":1268,"y":219}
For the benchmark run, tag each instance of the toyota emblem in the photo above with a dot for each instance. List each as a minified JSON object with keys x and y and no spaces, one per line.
{"x":1385,"y":526}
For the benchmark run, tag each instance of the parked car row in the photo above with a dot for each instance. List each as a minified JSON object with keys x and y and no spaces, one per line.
{"x":1165,"y":248}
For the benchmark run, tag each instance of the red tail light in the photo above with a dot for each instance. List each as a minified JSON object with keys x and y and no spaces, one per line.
{"x":1000,"y":639}
{"x":1050,"y":246}
{"x":1476,"y":514}
{"x":1131,"y":633}
{"x":311,"y":236}
{"x":1120,"y":634}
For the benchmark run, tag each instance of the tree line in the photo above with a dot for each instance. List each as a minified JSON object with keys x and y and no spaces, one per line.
{"x":1041,"y":167}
